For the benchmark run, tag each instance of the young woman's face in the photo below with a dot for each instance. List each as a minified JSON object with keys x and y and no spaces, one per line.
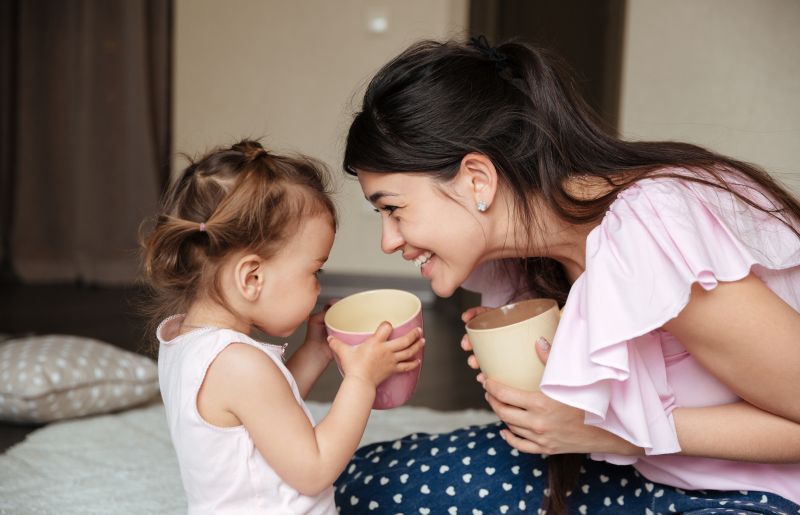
{"x":438,"y":232}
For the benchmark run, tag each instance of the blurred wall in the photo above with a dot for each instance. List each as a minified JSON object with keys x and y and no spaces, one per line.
{"x":294,"y":72}
{"x":720,"y":73}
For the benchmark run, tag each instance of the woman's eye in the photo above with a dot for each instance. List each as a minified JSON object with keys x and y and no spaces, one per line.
{"x":388,"y":209}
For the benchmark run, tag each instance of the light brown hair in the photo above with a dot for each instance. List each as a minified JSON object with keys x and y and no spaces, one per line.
{"x":246,"y":199}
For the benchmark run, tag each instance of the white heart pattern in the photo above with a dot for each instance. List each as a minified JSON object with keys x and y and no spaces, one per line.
{"x":373,"y":505}
{"x":450,"y":490}
{"x":466,"y":477}
{"x":483,"y":493}
{"x":424,"y":489}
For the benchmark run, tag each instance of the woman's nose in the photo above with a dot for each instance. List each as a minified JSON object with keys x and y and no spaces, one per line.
{"x":391,"y":240}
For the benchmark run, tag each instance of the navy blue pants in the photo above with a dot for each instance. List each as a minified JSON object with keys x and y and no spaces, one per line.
{"x":474,"y":471}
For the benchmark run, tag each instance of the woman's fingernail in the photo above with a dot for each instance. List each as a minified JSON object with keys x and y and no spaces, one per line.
{"x":543,"y":344}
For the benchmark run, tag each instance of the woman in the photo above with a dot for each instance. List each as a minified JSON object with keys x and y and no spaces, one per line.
{"x":675,"y":363}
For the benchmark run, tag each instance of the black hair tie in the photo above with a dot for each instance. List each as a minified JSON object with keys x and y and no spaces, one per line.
{"x":499,"y":59}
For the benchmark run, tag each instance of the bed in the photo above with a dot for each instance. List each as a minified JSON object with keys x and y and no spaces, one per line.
{"x":124,"y":463}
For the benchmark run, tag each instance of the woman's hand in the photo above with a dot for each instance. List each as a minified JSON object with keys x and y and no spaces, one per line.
{"x":538,"y":424}
{"x":377,"y":358}
{"x":466,"y":316}
{"x":542,"y":345}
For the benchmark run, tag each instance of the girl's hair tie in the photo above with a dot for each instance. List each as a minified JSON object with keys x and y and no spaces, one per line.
{"x":202,"y":227}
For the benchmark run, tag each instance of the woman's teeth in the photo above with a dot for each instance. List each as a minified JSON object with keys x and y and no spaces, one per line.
{"x":422,"y":259}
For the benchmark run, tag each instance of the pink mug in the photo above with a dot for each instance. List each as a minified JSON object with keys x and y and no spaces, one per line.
{"x":356,"y":317}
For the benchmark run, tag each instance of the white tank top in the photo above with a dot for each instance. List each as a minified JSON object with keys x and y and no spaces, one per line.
{"x":221,"y":469}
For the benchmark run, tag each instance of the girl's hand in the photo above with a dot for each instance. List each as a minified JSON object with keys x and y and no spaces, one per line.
{"x":377,"y":358}
{"x":316,"y":333}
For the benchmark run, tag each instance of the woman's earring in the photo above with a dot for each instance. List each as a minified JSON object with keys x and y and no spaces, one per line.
{"x":481,"y":205}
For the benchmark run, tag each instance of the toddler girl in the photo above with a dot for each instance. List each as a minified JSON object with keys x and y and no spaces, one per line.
{"x":239,"y":242}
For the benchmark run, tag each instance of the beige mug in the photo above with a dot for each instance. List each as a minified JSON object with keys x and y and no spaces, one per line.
{"x":504,"y":341}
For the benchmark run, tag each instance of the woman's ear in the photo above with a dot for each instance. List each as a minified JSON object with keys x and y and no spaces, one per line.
{"x":250,"y":276}
{"x":477,"y":180}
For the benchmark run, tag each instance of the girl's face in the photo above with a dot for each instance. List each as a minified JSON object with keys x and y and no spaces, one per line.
{"x":439,"y":232}
{"x":291,"y":288}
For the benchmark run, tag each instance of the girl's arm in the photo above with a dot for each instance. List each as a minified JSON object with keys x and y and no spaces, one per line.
{"x":311,"y":359}
{"x":308,"y":458}
{"x":307,"y":363}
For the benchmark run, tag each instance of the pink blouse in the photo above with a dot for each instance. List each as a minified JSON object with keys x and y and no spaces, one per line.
{"x":610,"y":356}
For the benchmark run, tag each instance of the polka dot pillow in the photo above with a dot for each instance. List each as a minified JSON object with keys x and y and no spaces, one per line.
{"x":46,"y":378}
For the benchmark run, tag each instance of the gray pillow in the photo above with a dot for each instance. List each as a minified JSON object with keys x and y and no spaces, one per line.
{"x":46,"y":378}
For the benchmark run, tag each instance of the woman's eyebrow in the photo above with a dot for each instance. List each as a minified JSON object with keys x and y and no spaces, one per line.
{"x":379,"y":195}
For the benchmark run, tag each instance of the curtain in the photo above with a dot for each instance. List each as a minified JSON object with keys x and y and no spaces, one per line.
{"x":92,"y":135}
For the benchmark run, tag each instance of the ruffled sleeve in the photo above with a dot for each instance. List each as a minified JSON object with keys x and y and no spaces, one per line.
{"x":658,"y":238}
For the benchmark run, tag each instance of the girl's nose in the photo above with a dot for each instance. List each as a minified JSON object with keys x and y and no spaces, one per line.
{"x":391,"y":240}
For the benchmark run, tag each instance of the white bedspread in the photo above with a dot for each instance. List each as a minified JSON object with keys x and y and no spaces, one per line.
{"x":124,"y":463}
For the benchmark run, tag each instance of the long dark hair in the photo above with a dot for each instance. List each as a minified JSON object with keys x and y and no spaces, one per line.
{"x":518,"y":105}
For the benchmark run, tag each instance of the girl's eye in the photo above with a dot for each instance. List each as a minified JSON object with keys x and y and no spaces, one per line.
{"x":319,"y":272}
